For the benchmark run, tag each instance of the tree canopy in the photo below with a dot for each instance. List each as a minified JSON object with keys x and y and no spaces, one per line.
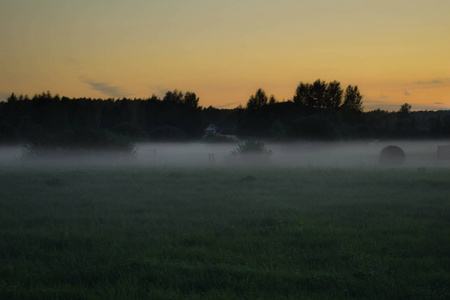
{"x":318,"y":110}
{"x":257,"y":101}
{"x":323,"y":95}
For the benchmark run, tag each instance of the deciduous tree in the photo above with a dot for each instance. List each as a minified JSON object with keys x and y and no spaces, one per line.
{"x":353,"y":99}
{"x":257,"y":101}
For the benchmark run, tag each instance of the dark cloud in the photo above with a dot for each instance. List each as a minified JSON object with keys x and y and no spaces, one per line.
{"x":439,"y":103}
{"x":105,"y":88}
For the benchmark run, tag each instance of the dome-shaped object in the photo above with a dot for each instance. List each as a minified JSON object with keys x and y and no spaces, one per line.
{"x":392,"y":156}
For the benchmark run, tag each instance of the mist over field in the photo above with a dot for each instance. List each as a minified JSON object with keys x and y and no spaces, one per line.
{"x":193,"y":221}
{"x":361,"y":154}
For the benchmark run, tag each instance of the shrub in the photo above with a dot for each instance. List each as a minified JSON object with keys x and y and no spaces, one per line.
{"x":252,"y":147}
{"x":250,"y":152}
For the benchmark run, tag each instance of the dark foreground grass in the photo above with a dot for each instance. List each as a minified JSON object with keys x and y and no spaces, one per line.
{"x":224,"y":234}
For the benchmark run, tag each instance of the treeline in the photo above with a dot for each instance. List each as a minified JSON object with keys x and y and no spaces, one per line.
{"x":317,"y":111}
{"x":325,"y":111}
{"x":51,"y":120}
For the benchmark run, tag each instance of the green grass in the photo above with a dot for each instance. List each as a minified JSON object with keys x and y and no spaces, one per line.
{"x":224,"y":234}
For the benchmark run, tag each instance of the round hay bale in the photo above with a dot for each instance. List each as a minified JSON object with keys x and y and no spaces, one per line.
{"x":392,"y":156}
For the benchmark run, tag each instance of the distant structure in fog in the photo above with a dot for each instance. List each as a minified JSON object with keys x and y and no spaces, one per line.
{"x":211,"y":129}
{"x":392,"y":156}
{"x":443,"y":152}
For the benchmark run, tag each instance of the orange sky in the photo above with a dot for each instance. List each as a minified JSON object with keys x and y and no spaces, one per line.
{"x":396,"y":51}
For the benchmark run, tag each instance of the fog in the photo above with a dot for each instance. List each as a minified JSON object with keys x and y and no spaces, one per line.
{"x":291,"y":155}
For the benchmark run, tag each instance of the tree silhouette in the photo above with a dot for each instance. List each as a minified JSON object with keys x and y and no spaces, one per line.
{"x":301,"y":97}
{"x":353,"y":99}
{"x":12,"y":98}
{"x":257,"y":101}
{"x":334,"y":95}
{"x":272,"y":100}
{"x":255,"y":121}
{"x":405,"y":109}
{"x":190,"y":100}
{"x":318,"y":95}
{"x":175,"y":97}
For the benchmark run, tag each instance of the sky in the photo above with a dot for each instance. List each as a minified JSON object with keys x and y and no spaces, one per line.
{"x":395,"y":51}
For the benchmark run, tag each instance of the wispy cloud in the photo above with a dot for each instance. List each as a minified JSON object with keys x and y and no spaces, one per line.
{"x":434,"y":106}
{"x":105,"y":88}
{"x":432,"y":82}
{"x":375,"y":103}
{"x":384,"y":96}
{"x":72,"y":61}
{"x":429,"y":82}
{"x":229,"y":104}
{"x":406,"y":93}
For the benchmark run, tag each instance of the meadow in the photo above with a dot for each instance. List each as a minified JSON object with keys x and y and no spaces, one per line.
{"x":166,"y":232}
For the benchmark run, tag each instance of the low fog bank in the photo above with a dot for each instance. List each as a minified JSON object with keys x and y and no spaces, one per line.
{"x":292,"y":155}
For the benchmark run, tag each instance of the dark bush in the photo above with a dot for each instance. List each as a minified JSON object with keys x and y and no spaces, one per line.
{"x":250,"y":152}
{"x":253,"y":147}
{"x":78,"y":140}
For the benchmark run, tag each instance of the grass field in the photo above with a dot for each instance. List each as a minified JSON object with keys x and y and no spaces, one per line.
{"x":187,"y":233}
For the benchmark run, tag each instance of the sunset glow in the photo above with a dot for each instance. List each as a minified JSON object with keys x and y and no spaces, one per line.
{"x":395,"y":51}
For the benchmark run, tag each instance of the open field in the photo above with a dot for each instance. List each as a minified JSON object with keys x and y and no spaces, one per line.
{"x":224,"y":233}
